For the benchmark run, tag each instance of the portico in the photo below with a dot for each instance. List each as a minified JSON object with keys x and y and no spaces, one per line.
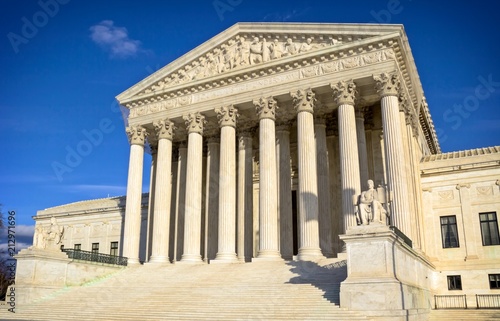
{"x":270,"y":115}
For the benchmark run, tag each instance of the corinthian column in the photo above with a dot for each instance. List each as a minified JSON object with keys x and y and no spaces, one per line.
{"x":227,"y":184}
{"x":388,"y":86}
{"x":324,"y":204}
{"x":284,"y":190}
{"x":132,"y":230}
{"x":245,"y":201}
{"x":192,"y":225}
{"x":345,"y":95}
{"x":303,"y":102}
{"x":268,"y":204}
{"x":362,"y":151}
{"x":163,"y":191}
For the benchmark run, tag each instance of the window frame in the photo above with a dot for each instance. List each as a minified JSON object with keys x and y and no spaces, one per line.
{"x":497,"y":281}
{"x":111,"y":248}
{"x":95,"y":248}
{"x":77,"y":247}
{"x":444,"y":239}
{"x":487,"y":224}
{"x":452,"y":282}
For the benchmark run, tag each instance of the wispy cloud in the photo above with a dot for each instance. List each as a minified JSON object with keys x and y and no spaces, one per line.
{"x":114,"y":39}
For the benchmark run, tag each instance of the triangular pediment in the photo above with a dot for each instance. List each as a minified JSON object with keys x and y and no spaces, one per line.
{"x":250,"y":46}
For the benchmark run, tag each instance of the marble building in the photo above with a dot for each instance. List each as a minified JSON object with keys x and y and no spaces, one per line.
{"x":262,"y":140}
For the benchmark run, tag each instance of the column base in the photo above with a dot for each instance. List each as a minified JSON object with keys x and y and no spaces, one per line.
{"x":310,"y":254}
{"x":191,"y":259}
{"x":159,"y":260}
{"x":133,"y":261}
{"x":268,"y":256}
{"x":225,"y":258}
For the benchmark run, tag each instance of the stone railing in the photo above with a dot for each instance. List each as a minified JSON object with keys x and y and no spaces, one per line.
{"x":95,"y":257}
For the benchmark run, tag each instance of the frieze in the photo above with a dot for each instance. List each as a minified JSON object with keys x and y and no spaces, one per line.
{"x":256,"y":80}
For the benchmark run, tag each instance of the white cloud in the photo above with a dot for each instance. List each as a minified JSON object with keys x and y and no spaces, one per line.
{"x":114,"y":39}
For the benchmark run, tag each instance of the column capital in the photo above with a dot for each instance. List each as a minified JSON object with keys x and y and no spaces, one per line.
{"x":266,"y":107}
{"x":344,"y":92}
{"x":304,"y":100}
{"x":164,"y":129}
{"x":387,"y":84}
{"x":244,"y":140}
{"x":137,"y":135}
{"x":227,"y":115}
{"x":195,"y":122}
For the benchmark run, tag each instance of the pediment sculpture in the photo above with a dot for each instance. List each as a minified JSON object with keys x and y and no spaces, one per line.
{"x":370,"y":208}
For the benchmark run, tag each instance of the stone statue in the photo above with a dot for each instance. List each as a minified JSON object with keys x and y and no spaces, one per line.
{"x":255,"y":51}
{"x":306,"y":46}
{"x":370,"y":209}
{"x":290,"y":48}
{"x":54,"y":234}
{"x":39,"y":238}
{"x":276,"y":49}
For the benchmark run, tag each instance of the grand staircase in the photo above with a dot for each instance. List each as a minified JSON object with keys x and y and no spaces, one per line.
{"x":250,"y":291}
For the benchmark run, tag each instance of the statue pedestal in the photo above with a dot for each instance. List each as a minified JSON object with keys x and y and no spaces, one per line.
{"x":40,"y":272}
{"x":387,"y":280}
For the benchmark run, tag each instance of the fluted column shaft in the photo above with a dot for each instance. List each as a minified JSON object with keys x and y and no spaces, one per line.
{"x":284,"y":191}
{"x":324,"y":204}
{"x":394,"y":154}
{"x":162,"y":192}
{"x":268,"y":203}
{"x":345,"y":95}
{"x":212,"y":198}
{"x":132,"y":228}
{"x":362,"y":150}
{"x":180,"y":207}
{"x":308,"y":181}
{"x":192,"y":224}
{"x":245,"y":201}
{"x":388,"y":86}
{"x":227,"y":185}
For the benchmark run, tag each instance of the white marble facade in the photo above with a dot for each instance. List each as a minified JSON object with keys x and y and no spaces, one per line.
{"x":263,"y":139}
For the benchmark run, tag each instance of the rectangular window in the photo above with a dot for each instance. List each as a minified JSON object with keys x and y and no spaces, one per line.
{"x":494,"y":281}
{"x":78,"y":247}
{"x":62,"y":247}
{"x":449,"y":232}
{"x":454,"y":282}
{"x":95,"y":248}
{"x":114,"y":249}
{"x":489,"y":228}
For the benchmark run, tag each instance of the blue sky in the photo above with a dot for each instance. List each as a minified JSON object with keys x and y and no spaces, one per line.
{"x":62,"y":62}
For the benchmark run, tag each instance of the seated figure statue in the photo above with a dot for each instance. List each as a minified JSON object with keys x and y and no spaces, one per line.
{"x":370,"y":209}
{"x":54,"y":234}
